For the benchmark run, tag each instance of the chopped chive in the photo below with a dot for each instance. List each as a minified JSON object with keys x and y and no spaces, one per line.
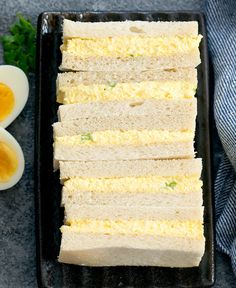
{"x":86,"y":137}
{"x":171,"y":184}
{"x":112,"y":84}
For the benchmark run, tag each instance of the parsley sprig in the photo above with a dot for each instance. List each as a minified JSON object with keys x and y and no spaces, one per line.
{"x":20,"y":45}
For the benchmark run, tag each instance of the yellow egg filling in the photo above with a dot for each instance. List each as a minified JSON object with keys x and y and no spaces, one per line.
{"x":155,"y":228}
{"x":7,"y":101}
{"x":8,"y":162}
{"x":131,"y":46}
{"x":130,"y":137}
{"x":113,"y":91}
{"x":145,"y":184}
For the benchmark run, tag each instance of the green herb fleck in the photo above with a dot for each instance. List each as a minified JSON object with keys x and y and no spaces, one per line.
{"x":86,"y":137}
{"x":171,"y":184}
{"x":135,"y":55}
{"x":19,"y":47}
{"x":112,"y":84}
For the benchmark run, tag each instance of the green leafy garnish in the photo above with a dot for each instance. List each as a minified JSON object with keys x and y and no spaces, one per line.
{"x":112,"y":84}
{"x":86,"y":137}
{"x":131,"y":55}
{"x":19,"y":47}
{"x":171,"y":184}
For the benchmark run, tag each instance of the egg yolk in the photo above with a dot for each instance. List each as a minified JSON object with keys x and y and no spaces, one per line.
{"x":8,"y":162}
{"x":7,"y":101}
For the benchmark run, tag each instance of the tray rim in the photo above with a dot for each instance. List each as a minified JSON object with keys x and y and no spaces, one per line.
{"x":38,"y":203}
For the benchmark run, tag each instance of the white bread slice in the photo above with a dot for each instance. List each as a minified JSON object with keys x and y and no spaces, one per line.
{"x":115,"y":211}
{"x":148,"y":122}
{"x":107,"y":250}
{"x":88,"y":153}
{"x":71,"y":79}
{"x":128,"y":199}
{"x":130,"y":168}
{"x":162,"y":110}
{"x":71,"y":62}
{"x":72,"y":29}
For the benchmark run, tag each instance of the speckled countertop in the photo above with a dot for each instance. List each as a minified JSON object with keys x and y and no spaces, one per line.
{"x":17,"y":223}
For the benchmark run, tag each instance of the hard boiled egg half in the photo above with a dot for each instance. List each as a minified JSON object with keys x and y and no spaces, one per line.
{"x":12,"y":161}
{"x":14,"y":91}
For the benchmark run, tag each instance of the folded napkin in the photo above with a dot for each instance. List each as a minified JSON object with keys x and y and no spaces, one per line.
{"x":221,"y":27}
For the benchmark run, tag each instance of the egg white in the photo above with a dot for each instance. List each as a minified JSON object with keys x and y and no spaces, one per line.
{"x":7,"y":138}
{"x":16,"y":79}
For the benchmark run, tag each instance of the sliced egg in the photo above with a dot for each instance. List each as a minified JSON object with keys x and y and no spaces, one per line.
{"x":14,"y":91}
{"x":12,"y":161}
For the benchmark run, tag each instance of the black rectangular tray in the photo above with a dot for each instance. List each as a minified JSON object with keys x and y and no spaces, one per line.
{"x":49,"y":215}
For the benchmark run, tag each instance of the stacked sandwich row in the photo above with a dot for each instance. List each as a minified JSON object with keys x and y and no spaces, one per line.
{"x":124,"y":143}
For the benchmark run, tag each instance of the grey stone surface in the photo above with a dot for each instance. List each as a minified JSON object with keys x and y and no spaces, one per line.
{"x":17,"y":227}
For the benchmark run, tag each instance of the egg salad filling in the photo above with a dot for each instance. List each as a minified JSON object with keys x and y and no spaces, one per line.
{"x":131,"y":46}
{"x":113,"y":91}
{"x":149,"y":184}
{"x":8,"y":162}
{"x":7,"y":101}
{"x":155,"y":228}
{"x":130,"y":137}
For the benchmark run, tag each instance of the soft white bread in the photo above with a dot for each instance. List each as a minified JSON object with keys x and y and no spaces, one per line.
{"x":107,"y":250}
{"x":71,"y":79}
{"x":72,"y":62}
{"x":133,"y":199}
{"x":73,"y":29}
{"x":115,"y":211}
{"x":130,"y":168}
{"x":89,"y":153}
{"x":148,"y":122}
{"x":160,"y":110}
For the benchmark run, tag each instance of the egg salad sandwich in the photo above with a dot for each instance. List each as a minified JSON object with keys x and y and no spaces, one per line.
{"x":129,"y":45}
{"x":164,"y":183}
{"x":128,"y":183}
{"x":86,"y":87}
{"x":118,"y":131}
{"x":143,"y":212}
{"x":140,"y":242}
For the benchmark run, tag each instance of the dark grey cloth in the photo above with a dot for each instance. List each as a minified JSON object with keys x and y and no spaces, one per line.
{"x":221,"y":26}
